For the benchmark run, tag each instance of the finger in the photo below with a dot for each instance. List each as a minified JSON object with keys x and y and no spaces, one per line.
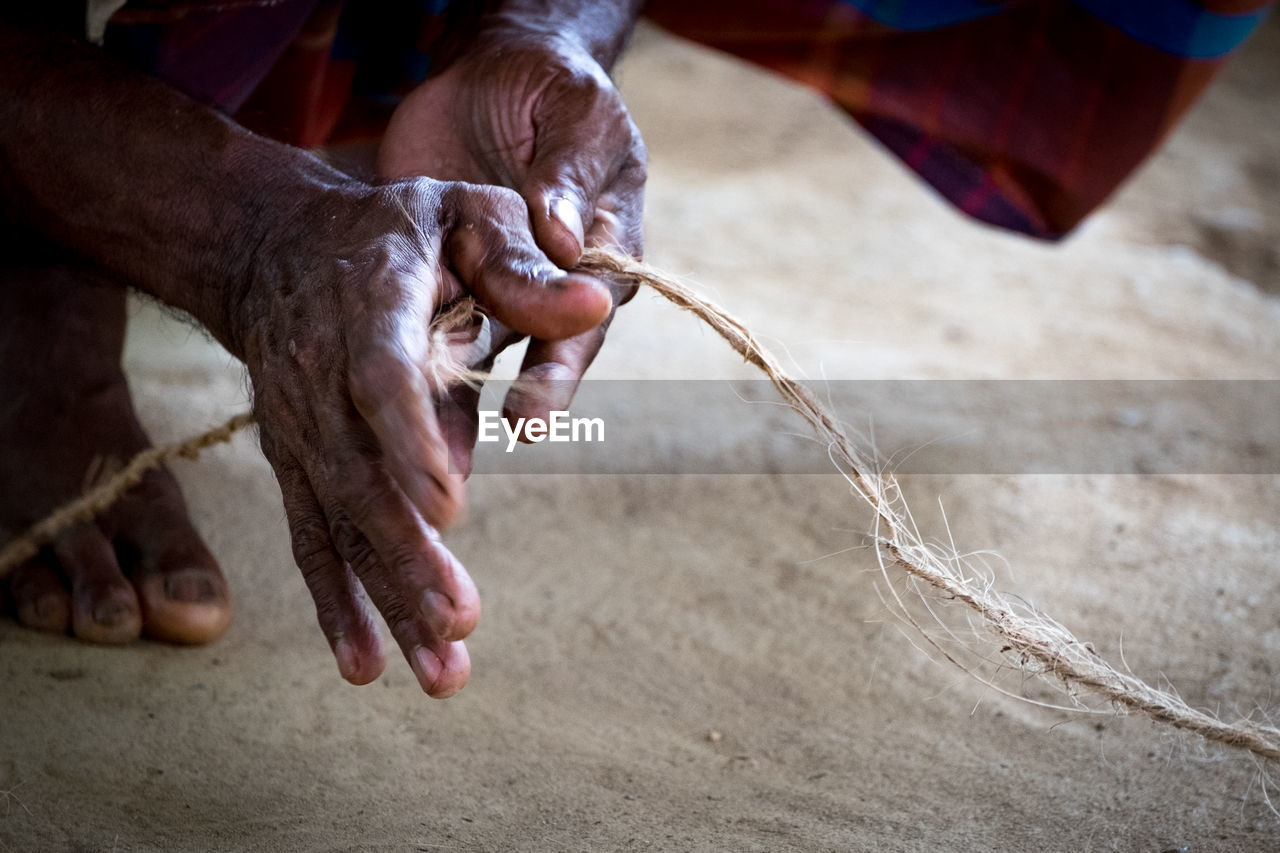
{"x":39,"y":596}
{"x":393,"y":395}
{"x":435,"y":588}
{"x":493,"y":253}
{"x":457,"y":409}
{"x":550,"y":375}
{"x":350,"y":480}
{"x":441,"y":670}
{"x":582,"y":139}
{"x":619,"y":214}
{"x":552,"y":370}
{"x":580,"y":172}
{"x":341,"y":605}
{"x":441,"y":665}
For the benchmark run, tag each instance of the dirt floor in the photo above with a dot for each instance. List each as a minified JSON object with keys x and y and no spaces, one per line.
{"x":705,"y":662}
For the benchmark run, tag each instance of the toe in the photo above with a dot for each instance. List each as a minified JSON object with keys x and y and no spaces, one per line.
{"x":39,"y":596}
{"x":185,"y":602}
{"x":183,"y":593}
{"x":104,"y":608}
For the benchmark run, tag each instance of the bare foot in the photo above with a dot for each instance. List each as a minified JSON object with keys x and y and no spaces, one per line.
{"x":65,"y":411}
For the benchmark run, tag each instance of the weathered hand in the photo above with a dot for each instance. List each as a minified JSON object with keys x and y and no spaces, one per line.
{"x":535,"y":112}
{"x":334,"y":330}
{"x":324,"y":286}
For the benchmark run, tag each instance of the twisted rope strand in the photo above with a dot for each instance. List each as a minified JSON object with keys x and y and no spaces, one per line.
{"x":1031,"y":639}
{"x":99,"y":498}
{"x":1026,"y":634}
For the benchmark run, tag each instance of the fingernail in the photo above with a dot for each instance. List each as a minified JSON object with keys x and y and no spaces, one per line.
{"x":110,"y":613}
{"x":567,"y":212}
{"x":427,"y":667}
{"x":192,"y":587}
{"x":437,"y":609}
{"x":345,"y":654}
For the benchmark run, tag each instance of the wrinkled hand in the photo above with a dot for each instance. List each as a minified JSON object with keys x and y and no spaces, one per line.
{"x":334,"y":330}
{"x":536,"y":113}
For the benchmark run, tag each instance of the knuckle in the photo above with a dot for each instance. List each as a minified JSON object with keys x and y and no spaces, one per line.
{"x":462,"y":203}
{"x":404,"y":627}
{"x":329,"y":609}
{"x":405,"y":559}
{"x":305,"y":348}
{"x":364,"y":562}
{"x":493,"y":214}
{"x":350,"y":543}
{"x":636,"y":164}
{"x":358,"y":499}
{"x":282,"y":420}
{"x":501,"y":202}
{"x":576,"y":81}
{"x":412,"y":195}
{"x":312,"y":546}
{"x":351,"y":482}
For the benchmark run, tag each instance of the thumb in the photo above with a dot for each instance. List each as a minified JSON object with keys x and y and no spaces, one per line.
{"x":572,"y":165}
{"x":561,"y":208}
{"x":496,"y":259}
{"x":559,"y":229}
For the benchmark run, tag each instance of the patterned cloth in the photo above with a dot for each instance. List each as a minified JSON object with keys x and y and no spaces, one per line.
{"x":1025,"y":115}
{"x":302,"y":71}
{"x":217,"y":55}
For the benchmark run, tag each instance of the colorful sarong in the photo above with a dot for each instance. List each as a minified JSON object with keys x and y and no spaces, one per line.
{"x":1025,"y":114}
{"x":302,"y":71}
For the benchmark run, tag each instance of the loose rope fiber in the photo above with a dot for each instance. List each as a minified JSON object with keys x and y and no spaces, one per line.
{"x":1027,"y":635}
{"x":1031,"y":640}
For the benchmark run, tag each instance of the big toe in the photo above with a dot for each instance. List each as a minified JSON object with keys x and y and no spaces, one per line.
{"x":188,"y":605}
{"x":182,"y":591}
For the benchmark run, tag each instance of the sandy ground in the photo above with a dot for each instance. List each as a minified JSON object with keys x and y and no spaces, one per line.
{"x":704,"y":662}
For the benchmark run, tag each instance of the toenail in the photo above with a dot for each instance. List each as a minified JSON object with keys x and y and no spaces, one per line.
{"x":109,"y":614}
{"x":190,"y":587}
{"x":437,"y":609}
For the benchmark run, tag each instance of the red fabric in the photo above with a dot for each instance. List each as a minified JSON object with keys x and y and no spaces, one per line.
{"x":1027,"y":118}
{"x":306,"y":93}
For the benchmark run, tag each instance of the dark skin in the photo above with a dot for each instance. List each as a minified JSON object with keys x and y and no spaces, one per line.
{"x":324,"y":286}
{"x":68,"y":322}
{"x":529,"y":106}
